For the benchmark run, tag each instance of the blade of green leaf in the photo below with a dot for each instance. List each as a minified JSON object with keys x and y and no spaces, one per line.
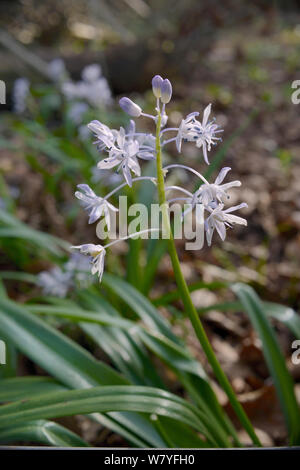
{"x":71,"y":365}
{"x":17,"y":229}
{"x":188,"y":370}
{"x":43,"y":432}
{"x":200,"y":387}
{"x":104,"y":399}
{"x":18,"y":388}
{"x":139,"y":304}
{"x":178,"y":435}
{"x":274,"y":358}
{"x":286,"y":315}
{"x":125,"y":349}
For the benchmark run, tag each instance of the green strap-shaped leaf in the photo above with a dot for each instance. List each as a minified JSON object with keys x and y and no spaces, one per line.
{"x":274,"y":358}
{"x":42,"y":432}
{"x":139,"y":304}
{"x":10,"y":226}
{"x":124,"y":348}
{"x":72,"y":366}
{"x":18,"y":388}
{"x":286,"y":315}
{"x":197,"y":382}
{"x":104,"y":399}
{"x":188,"y":370}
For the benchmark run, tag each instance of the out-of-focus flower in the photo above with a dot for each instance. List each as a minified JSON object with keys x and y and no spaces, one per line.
{"x":91,"y":73}
{"x":93,"y":88}
{"x":95,"y":206}
{"x":57,"y":70}
{"x":55,"y":282}
{"x":58,"y":281}
{"x":20,"y":94}
{"x":79,"y":267}
{"x":77,"y":111}
{"x":2,"y":204}
{"x":83,"y":133}
{"x":102,"y":176}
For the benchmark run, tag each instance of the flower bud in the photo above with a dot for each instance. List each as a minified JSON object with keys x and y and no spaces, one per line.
{"x":130,"y":107}
{"x":166,"y":91}
{"x":157,"y":82}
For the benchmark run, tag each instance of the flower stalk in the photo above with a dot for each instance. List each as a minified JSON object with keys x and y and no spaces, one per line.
{"x":187,"y":300}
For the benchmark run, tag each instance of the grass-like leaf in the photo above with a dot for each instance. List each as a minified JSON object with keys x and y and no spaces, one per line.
{"x":104,"y":399}
{"x":72,"y":366}
{"x":19,"y":388}
{"x":274,"y":358}
{"x":42,"y":432}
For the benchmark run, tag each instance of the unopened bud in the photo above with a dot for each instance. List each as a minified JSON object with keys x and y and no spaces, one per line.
{"x":130,"y":107}
{"x":157,"y":82}
{"x":166,"y":91}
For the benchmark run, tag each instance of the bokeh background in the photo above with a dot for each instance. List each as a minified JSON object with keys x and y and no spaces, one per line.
{"x":242,"y":57}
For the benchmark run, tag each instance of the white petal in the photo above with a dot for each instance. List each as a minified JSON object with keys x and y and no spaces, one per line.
{"x":179,"y":141}
{"x":131,"y":129}
{"x":85,"y":200}
{"x":134,"y":166}
{"x":234,"y":219}
{"x":107,"y":217}
{"x":121,"y":137}
{"x":205,"y":153}
{"x":222,"y":175}
{"x":209,"y":227}
{"x":145,"y":155}
{"x":206,"y":115}
{"x":189,"y":116}
{"x":86,"y":189}
{"x":232,"y":184}
{"x":111,"y":207}
{"x":88,"y":248}
{"x":221,"y":229}
{"x":108,"y":163}
{"x":96,"y":213}
{"x":235,"y":208}
{"x":127,"y":174}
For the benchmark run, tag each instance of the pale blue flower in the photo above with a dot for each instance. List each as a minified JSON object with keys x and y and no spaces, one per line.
{"x":157,"y":82}
{"x":130,"y":107}
{"x":20,"y":94}
{"x":166,"y":91}
{"x":219,"y":219}
{"x":55,"y":282}
{"x":95,"y":206}
{"x":97,"y":257}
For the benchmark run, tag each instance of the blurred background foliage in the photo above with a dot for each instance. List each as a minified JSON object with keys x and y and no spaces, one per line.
{"x":241,"y":56}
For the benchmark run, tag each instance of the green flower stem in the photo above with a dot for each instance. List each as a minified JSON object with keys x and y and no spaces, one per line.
{"x":186,"y":297}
